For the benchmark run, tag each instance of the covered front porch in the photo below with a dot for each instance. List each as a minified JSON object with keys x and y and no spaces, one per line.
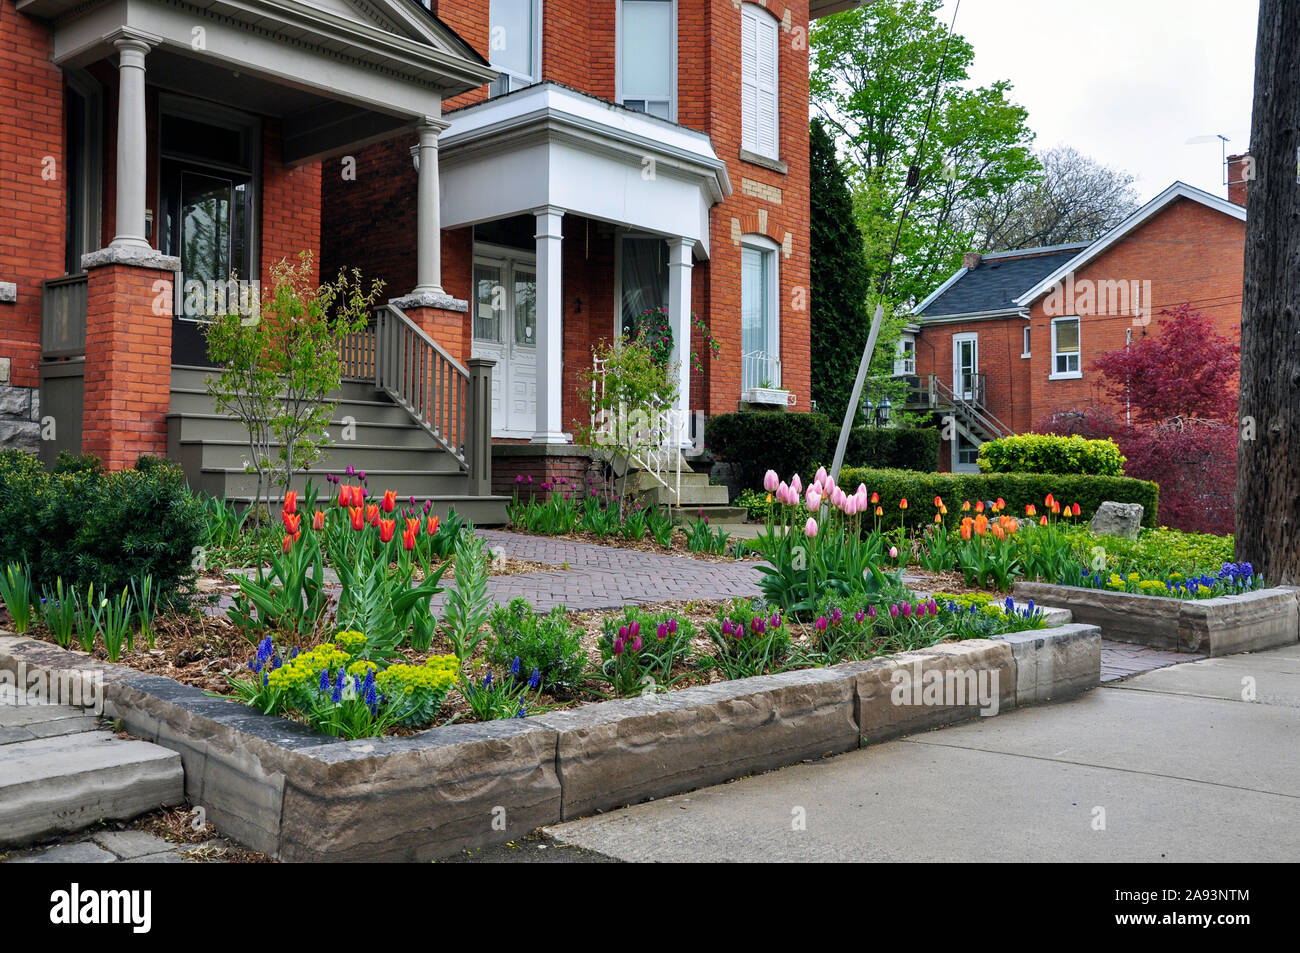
{"x":197,"y":137}
{"x":579,"y":215}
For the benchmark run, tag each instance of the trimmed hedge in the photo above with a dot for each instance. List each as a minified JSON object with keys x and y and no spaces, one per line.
{"x":107,"y":528}
{"x":756,"y":441}
{"x":1051,"y":453}
{"x":1017,"y":489}
{"x":895,"y":448}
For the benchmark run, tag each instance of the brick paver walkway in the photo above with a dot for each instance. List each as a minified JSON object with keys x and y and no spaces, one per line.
{"x":1122,"y":659}
{"x":609,"y":577}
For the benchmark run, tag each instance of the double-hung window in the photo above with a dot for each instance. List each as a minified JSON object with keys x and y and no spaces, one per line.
{"x":760,"y":339}
{"x":514,"y":43}
{"x":647,"y":57}
{"x":758,"y":81}
{"x":1065,"y":348}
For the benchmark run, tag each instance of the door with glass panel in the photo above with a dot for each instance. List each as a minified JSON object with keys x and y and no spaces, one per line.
{"x":505,"y":330}
{"x":965,"y":365}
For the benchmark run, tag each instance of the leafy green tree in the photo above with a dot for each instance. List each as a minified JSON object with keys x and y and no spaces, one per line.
{"x":874,"y":69}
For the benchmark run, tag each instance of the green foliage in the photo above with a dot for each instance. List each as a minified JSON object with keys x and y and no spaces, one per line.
{"x":549,"y":643}
{"x":59,"y":611}
{"x":756,"y":504}
{"x":1156,"y":552}
{"x":873,"y":69}
{"x":901,"y":448}
{"x":749,"y":639}
{"x":1018,"y":489}
{"x":17,"y":594}
{"x":290,"y":598}
{"x":505,"y":697}
{"x":754,"y":442}
{"x":468,"y":606}
{"x":1050,"y":453}
{"x":840,"y":279}
{"x":91,"y":526}
{"x":69,"y":462}
{"x":652,"y":329}
{"x":703,"y":538}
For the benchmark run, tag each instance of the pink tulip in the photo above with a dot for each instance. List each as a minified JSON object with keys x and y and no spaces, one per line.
{"x":851,"y":506}
{"x":839,"y":498}
{"x":821,"y":475}
{"x":797,"y":485}
{"x":810,"y":528}
{"x":893,"y":552}
{"x":862,"y":492}
{"x":782,"y":493}
{"x":771,"y":481}
{"x":814,"y":500}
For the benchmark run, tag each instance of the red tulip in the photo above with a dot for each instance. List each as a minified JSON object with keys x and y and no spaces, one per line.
{"x":288,"y":543}
{"x":408,"y":539}
{"x":1075,"y":509}
{"x":386,"y":528}
{"x":412,"y":524}
{"x":292,"y":522}
{"x":902,"y":504}
{"x":390,"y":501}
{"x":433,"y":525}
{"x":1043,"y":520}
{"x":291,"y":501}
{"x":358,"y":519}
{"x":345,"y":495}
{"x":372,"y":514}
{"x":318,"y":520}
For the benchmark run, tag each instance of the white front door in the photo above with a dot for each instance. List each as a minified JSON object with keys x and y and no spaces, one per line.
{"x":965,"y":365}
{"x":505,"y":329}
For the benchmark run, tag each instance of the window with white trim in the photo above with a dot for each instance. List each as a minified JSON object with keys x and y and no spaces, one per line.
{"x":905,"y":356}
{"x":647,"y":57}
{"x":1024,"y":348}
{"x":758,"y":81}
{"x":515,"y":43}
{"x":1065,"y":348}
{"x":760,"y":341}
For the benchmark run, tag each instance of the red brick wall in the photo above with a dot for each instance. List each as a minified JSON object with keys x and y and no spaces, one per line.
{"x":32,"y":207}
{"x":1189,"y":253}
{"x":510,"y":475}
{"x":291,"y":206}
{"x":128,"y":366}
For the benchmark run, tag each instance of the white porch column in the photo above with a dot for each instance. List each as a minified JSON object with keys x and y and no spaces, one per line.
{"x":550,"y":338}
{"x":428,"y":210}
{"x":131,"y":152}
{"x":679,"y":316}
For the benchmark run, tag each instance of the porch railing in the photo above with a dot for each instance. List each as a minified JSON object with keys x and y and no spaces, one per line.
{"x":452,"y":403}
{"x":63,"y":317}
{"x":357,"y":355}
{"x":654,"y":439}
{"x":969,"y":407}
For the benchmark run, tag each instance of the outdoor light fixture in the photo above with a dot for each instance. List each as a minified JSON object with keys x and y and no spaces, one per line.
{"x":870,"y":408}
{"x":883,"y":410}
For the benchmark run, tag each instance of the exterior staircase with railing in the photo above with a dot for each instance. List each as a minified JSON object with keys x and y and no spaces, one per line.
{"x":407,"y":413}
{"x":968,"y":409}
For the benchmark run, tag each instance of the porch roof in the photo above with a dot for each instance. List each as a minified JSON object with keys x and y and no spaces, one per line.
{"x":340,"y":73}
{"x":548,"y":145}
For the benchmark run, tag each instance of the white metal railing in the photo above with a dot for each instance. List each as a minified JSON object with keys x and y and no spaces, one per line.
{"x":759,"y":369}
{"x":653,"y":438}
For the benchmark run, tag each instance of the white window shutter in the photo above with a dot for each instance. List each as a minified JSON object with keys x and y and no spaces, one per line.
{"x":749,"y":97}
{"x":767,"y":87}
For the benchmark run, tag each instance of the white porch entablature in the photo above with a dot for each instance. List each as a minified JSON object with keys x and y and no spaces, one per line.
{"x":551,"y":146}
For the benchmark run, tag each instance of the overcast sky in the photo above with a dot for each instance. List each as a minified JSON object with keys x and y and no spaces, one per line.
{"x":1126,"y":82}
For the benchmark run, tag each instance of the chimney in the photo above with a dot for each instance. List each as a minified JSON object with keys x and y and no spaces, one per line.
{"x":971,"y":260}
{"x":1241,"y":169}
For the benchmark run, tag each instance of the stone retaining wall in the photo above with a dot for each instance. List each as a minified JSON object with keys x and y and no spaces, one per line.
{"x":285,"y":790}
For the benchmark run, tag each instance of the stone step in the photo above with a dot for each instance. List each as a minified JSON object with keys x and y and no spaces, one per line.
{"x":66,"y":782}
{"x":29,"y":722}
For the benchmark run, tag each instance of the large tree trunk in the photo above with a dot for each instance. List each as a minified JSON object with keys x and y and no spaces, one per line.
{"x":1268,"y":460}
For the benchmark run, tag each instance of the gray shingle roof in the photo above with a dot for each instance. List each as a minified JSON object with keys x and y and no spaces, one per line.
{"x":997,"y":281}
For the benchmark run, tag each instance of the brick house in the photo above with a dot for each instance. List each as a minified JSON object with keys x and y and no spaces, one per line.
{"x":525,"y":175}
{"x":1010,"y":337}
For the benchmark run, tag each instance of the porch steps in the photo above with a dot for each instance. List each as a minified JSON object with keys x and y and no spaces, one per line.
{"x":395,"y":453}
{"x":60,"y":772}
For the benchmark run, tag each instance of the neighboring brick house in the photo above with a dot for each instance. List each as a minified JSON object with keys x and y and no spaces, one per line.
{"x":560,"y":165}
{"x":1009,"y":339}
{"x":632,"y":154}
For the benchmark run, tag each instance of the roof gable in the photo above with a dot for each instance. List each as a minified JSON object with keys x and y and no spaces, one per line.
{"x":1179,"y":190}
{"x":995,"y":282}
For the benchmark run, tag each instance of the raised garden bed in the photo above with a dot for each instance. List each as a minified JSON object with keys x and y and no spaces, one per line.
{"x":1246,"y":622}
{"x":280,"y":788}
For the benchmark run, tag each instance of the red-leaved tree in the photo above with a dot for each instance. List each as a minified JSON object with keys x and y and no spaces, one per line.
{"x":1181,"y":387}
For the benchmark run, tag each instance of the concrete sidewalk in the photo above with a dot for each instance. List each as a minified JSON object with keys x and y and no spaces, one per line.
{"x":1178,"y":764}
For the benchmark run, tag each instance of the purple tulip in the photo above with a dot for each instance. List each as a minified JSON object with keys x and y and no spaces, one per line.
{"x":636,"y":644}
{"x":820,"y":624}
{"x":893,"y":611}
{"x":907,"y":610}
{"x":672,"y":626}
{"x":859,"y":616}
{"x":661,"y":631}
{"x":871,"y":612}
{"x":618,"y":646}
{"x":836,"y":616}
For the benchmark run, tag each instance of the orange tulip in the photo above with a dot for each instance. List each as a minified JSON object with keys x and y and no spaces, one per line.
{"x":1001,"y":504}
{"x":1056,"y":507}
{"x":372,"y":514}
{"x":998,"y":532}
{"x":291,"y":501}
{"x":386,"y":529}
{"x":390,"y":501}
{"x":981,"y":525}
{"x":902,"y":504}
{"x":358,"y":519}
{"x":880,"y":511}
{"x":408,"y":538}
{"x":318,"y":520}
{"x":875,"y":497}
{"x":412,"y":524}
{"x":966,"y":527}
{"x":938,"y":501}
{"x":938,"y":518}
{"x":1029,"y":510}
{"x":1047,"y":501}
{"x":943,"y":510}
{"x":1043,"y":521}
{"x":979,"y":506}
{"x":433,"y":525}
{"x":288,"y":543}
{"x":292,"y":521}
{"x":965,"y":507}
